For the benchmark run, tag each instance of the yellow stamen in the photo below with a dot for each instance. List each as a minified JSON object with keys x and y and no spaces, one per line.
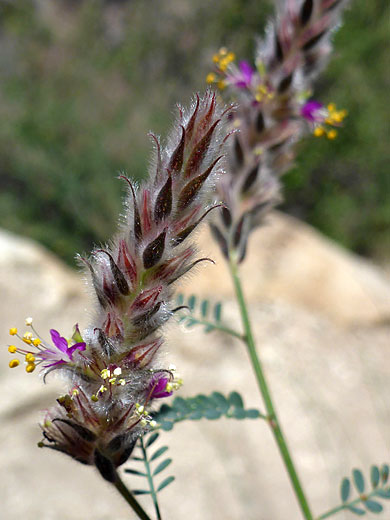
{"x":13,"y":331}
{"x":331,"y":107}
{"x":210,"y":78}
{"x":143,"y":422}
{"x":153,"y":424}
{"x":332,"y":134}
{"x":27,"y":335}
{"x":216,"y":58}
{"x":36,"y":342}
{"x":12,"y":349}
{"x":30,"y":358}
{"x":28,"y":341}
{"x":105,"y":373}
{"x":221,"y":84}
{"x":231,"y":56}
{"x":13,"y":363}
{"x":319,"y":131}
{"x":75,"y":392}
{"x":30,"y":367}
{"x":223,"y":51}
{"x":94,"y":398}
{"x":29,"y":322}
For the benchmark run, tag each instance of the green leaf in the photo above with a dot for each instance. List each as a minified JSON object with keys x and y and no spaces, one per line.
{"x":238,"y":413}
{"x":345,"y":489}
{"x":356,"y":510}
{"x":151,"y":439}
{"x":218,"y":312}
{"x":373,"y":506}
{"x":140,"y":492}
{"x":204,"y":308}
{"x":162,"y":466}
{"x":375,"y":476}
{"x":167,"y":426}
{"x":180,"y":299}
{"x":191,"y":302}
{"x":385,"y":470}
{"x":135,"y":472}
{"x":165,"y":483}
{"x":212,"y":414}
{"x":252,"y":413}
{"x":236,"y":400}
{"x":383,"y":493}
{"x":221,"y":402}
{"x":358,"y":480}
{"x":159,"y":452}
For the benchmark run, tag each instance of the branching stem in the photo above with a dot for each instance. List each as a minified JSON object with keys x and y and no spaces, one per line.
{"x":264,"y":390}
{"x":150,"y":479}
{"x":130,"y":499}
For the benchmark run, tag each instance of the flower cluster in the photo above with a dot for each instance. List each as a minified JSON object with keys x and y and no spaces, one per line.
{"x":113,"y":366}
{"x":275,"y":110}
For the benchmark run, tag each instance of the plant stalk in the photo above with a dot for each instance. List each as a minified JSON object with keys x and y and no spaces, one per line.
{"x":273,"y":420}
{"x":128,"y":496}
{"x":150,"y":480}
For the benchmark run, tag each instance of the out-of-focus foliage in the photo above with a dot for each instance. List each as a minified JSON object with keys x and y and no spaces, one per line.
{"x":82,"y":82}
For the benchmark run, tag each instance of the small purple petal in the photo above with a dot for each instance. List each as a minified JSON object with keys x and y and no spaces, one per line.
{"x":76,"y":346}
{"x":157,"y":386}
{"x":59,"y":341}
{"x":311,"y":110}
{"x":246,"y":70}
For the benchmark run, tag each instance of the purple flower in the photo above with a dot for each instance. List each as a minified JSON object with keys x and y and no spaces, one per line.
{"x":158,"y":386}
{"x":243,"y":78}
{"x":65,"y":353}
{"x":313,"y":111}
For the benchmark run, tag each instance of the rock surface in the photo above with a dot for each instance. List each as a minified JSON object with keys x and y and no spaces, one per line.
{"x":330,"y":383}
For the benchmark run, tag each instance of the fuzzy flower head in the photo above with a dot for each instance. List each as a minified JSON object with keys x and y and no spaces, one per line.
{"x":274,"y":112}
{"x":113,"y":366}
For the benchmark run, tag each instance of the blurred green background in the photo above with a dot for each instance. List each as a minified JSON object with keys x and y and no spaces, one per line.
{"x":83,"y":81}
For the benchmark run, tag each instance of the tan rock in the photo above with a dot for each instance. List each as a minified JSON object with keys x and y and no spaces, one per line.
{"x":289,"y":261}
{"x":330,"y":385}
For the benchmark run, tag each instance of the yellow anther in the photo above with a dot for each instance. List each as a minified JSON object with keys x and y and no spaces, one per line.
{"x":331,"y":107}
{"x":13,"y":331}
{"x":29,"y":321}
{"x":271,"y":95}
{"x":216,"y":58}
{"x":210,"y":78}
{"x":231,"y":56}
{"x":27,"y":335}
{"x":102,"y":389}
{"x":75,"y":392}
{"x":332,"y":134}
{"x":223,"y":64}
{"x":223,"y":51}
{"x":121,"y":382}
{"x":259,"y":97}
{"x":13,"y":363}
{"x":30,"y":367}
{"x":28,"y":341}
{"x":140,"y":409}
{"x":30,"y":358}
{"x":337,"y":117}
{"x":169,"y":387}
{"x":221,"y":84}
{"x":263,"y":89}
{"x":143,"y":422}
{"x":112,"y":380}
{"x":36,"y":342}
{"x":94,"y":398}
{"x":47,"y":423}
{"x":153,"y":424}
{"x":319,"y":131}
{"x":105,"y":373}
{"x":12,"y":349}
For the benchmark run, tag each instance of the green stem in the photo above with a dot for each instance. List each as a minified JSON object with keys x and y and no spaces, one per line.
{"x":127,"y":495}
{"x":337,"y":510}
{"x":150,"y":480}
{"x":221,"y":328}
{"x":273,"y":419}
